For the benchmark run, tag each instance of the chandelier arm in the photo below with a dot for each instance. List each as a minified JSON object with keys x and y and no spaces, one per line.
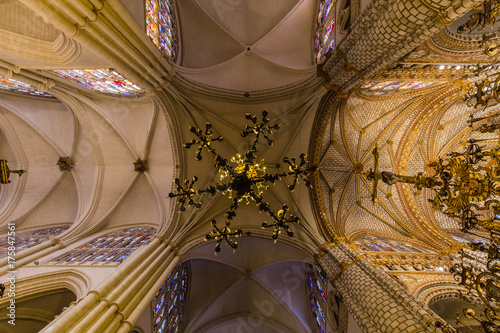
{"x":186,"y":193}
{"x":231,"y":212}
{"x":263,"y":206}
{"x":205,"y":139}
{"x":258,"y":129}
{"x":255,"y":142}
{"x":221,"y":235}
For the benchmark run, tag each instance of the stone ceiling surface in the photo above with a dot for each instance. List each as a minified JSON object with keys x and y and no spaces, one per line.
{"x":411,"y":130}
{"x":247,"y":45}
{"x":261,"y":285}
{"x":237,"y":46}
{"x":103,"y":137}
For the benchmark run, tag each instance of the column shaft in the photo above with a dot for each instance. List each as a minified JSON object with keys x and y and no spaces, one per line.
{"x":377,"y":302}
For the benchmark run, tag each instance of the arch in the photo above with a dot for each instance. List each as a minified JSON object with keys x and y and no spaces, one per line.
{"x":260,"y":280}
{"x":77,"y":282}
{"x":35,"y":311}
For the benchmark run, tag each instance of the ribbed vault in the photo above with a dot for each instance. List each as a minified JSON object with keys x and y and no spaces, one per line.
{"x":247,"y":45}
{"x":260,"y":287}
{"x":411,"y":130}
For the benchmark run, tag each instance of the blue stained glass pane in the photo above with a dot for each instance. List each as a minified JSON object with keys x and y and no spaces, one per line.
{"x":161,"y":25}
{"x":27,"y":239}
{"x":373,"y":247}
{"x":110,"y":257}
{"x":329,"y":31}
{"x":102,"y":80}
{"x":327,"y":6}
{"x":310,"y":284}
{"x":321,"y":276}
{"x":100,"y":246}
{"x":173,"y":304}
{"x":78,"y":255}
{"x":157,"y":307}
{"x":385,"y":247}
{"x":320,"y":311}
{"x":86,"y":257}
{"x":330,"y":46}
{"x":323,"y":294}
{"x":123,"y":256}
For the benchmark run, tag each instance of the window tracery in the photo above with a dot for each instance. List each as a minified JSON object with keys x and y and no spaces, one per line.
{"x":468,"y":238}
{"x":113,"y":247}
{"x":391,"y":87}
{"x":21,"y":87}
{"x":103,"y":80}
{"x":161,"y":26}
{"x":345,"y":15}
{"x":374,"y":244}
{"x":27,"y":239}
{"x":338,"y":315}
{"x":317,"y":295}
{"x":325,"y":34}
{"x":169,"y":302}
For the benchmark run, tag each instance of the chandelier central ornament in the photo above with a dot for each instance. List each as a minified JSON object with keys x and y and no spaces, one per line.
{"x":242,"y":178}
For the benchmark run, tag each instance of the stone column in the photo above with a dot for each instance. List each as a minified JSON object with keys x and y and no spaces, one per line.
{"x":376,"y":301}
{"x":118,"y":301}
{"x":385,"y":32}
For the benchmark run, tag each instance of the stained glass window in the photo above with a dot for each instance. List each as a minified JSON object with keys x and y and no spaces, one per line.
{"x":21,"y":87}
{"x":373,"y":247}
{"x":401,"y":248}
{"x":102,"y":80}
{"x":324,"y":9}
{"x":113,"y":247}
{"x":361,"y":246}
{"x":161,"y":26}
{"x":321,"y":291}
{"x":386,"y":245}
{"x":317,"y":296}
{"x":325,"y":34}
{"x":169,"y":302}
{"x":390,"y":87}
{"x":27,"y":239}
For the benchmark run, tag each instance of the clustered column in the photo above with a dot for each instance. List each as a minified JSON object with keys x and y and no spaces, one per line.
{"x":376,"y":301}
{"x":116,"y":304}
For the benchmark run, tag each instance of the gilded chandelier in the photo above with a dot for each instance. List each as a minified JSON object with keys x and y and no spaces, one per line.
{"x":242,"y":178}
{"x":466,"y":187}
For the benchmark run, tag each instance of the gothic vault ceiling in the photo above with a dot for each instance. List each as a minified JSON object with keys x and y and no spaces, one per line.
{"x":247,"y":45}
{"x":411,"y":130}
